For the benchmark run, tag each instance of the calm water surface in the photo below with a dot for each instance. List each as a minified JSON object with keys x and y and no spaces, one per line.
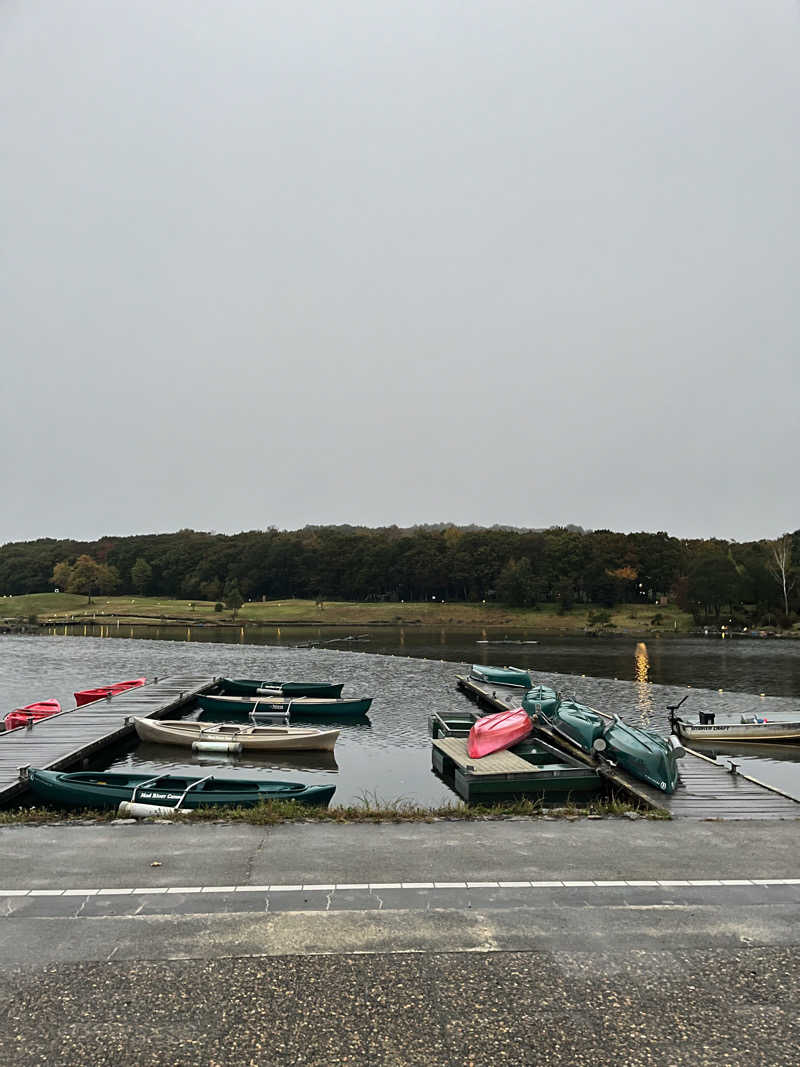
{"x":410,"y":673}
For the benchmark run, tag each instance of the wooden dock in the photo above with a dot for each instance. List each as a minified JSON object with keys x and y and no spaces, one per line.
{"x":706,"y":790}
{"x":68,"y":741}
{"x":508,"y":774}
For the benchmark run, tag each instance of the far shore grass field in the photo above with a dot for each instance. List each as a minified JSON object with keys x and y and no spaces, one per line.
{"x":68,"y":607}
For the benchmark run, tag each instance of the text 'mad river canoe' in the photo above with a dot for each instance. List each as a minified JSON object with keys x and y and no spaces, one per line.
{"x":302,"y":707}
{"x":512,"y":676}
{"x":43,"y":709}
{"x":250,"y":687}
{"x":143,"y":794}
{"x":89,"y":696}
{"x":492,"y":733}
{"x":222,"y":737}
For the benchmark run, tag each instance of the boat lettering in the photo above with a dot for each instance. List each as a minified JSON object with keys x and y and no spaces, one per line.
{"x":160,"y":796}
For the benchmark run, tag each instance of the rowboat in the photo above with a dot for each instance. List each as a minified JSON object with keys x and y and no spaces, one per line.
{"x":43,"y":709}
{"x":492,"y":733}
{"x":88,"y":696}
{"x":222,"y":737}
{"x":250,"y":687}
{"x":643,"y":753}
{"x":753,"y":729}
{"x":513,"y":676}
{"x":142,"y":794}
{"x":306,"y":707}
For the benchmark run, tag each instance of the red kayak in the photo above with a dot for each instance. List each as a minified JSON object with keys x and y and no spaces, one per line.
{"x":495,"y":732}
{"x":88,"y":696}
{"x":43,"y":709}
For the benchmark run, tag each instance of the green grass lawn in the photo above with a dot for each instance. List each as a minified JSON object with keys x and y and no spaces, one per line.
{"x":63,"y":606}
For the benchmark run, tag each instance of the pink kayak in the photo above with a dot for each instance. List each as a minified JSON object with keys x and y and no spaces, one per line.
{"x":43,"y":709}
{"x":88,"y":696}
{"x":495,"y":732}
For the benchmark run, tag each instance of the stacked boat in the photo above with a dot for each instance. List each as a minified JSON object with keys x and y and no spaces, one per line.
{"x":643,"y":753}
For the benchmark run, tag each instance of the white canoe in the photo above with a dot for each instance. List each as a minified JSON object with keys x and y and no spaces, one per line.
{"x":234,"y":737}
{"x":770,"y":731}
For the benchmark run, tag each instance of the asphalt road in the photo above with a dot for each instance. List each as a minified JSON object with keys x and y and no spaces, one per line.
{"x":449,"y":943}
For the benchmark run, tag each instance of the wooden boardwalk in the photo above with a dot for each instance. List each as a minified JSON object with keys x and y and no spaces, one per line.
{"x":706,"y":789}
{"x":68,"y":740}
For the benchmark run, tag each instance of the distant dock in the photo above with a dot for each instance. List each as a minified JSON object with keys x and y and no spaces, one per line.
{"x":706,"y":790}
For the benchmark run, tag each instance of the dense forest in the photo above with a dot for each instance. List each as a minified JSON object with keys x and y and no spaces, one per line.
{"x":754,"y":582}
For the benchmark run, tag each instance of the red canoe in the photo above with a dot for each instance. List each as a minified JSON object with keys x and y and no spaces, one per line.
{"x":43,"y":709}
{"x":495,"y":732}
{"x":88,"y":696}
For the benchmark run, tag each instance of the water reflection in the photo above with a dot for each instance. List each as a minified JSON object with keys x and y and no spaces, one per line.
{"x":641,"y":671}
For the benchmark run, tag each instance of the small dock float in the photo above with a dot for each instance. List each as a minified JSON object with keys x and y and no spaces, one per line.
{"x":69,"y":740}
{"x":706,"y":789}
{"x":534,"y":770}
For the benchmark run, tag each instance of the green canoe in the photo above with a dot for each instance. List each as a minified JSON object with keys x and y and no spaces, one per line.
{"x":95,"y":789}
{"x":643,"y":753}
{"x":241,"y":707}
{"x":251,"y":687}
{"x":513,"y":676}
{"x":541,"y":700}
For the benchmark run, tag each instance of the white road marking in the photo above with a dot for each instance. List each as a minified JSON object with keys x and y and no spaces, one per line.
{"x":330,"y":887}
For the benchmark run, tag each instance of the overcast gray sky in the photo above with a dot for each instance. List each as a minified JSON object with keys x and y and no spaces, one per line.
{"x":333,"y":261}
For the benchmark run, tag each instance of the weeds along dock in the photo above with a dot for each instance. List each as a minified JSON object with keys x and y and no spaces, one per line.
{"x":706,"y":790}
{"x":69,"y":740}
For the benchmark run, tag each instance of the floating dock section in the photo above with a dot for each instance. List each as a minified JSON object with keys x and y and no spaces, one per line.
{"x":69,"y":740}
{"x":706,"y":790}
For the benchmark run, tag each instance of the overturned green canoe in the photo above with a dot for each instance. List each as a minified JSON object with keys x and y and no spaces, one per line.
{"x":98,"y":789}
{"x":644,"y":754}
{"x":241,"y":707}
{"x":251,"y":687}
{"x":513,"y":676}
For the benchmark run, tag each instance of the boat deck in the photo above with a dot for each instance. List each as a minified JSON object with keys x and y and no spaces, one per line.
{"x":68,"y":740}
{"x":706,"y":789}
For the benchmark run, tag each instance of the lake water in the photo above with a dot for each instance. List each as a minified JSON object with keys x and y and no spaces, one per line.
{"x":410,"y":673}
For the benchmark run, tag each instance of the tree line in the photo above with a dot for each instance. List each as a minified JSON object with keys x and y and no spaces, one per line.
{"x":755,"y":581}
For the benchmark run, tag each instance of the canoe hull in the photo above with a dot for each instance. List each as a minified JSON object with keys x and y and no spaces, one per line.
{"x":251,"y":687}
{"x":249,"y":739}
{"x":644,"y":754}
{"x":299,"y":707}
{"x":493,"y":733}
{"x":43,"y":709}
{"x":88,"y":789}
{"x":756,"y":733}
{"x":89,"y":696}
{"x":512,"y":676}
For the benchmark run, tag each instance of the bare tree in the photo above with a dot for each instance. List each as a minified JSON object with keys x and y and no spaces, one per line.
{"x":780,"y":565}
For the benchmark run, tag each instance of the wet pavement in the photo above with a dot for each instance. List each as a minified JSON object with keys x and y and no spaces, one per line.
{"x":520,"y":942}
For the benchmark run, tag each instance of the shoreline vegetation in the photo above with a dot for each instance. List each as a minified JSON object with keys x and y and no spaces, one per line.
{"x":68,"y":609}
{"x":274,"y":813}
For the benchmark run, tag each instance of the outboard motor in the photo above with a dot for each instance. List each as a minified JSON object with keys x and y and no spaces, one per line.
{"x":707,"y":718}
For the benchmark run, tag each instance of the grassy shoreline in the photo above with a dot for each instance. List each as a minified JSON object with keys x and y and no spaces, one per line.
{"x":70,"y":609}
{"x":278,"y":812}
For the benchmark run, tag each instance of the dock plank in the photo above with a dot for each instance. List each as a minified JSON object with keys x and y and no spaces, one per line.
{"x":496,"y":763}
